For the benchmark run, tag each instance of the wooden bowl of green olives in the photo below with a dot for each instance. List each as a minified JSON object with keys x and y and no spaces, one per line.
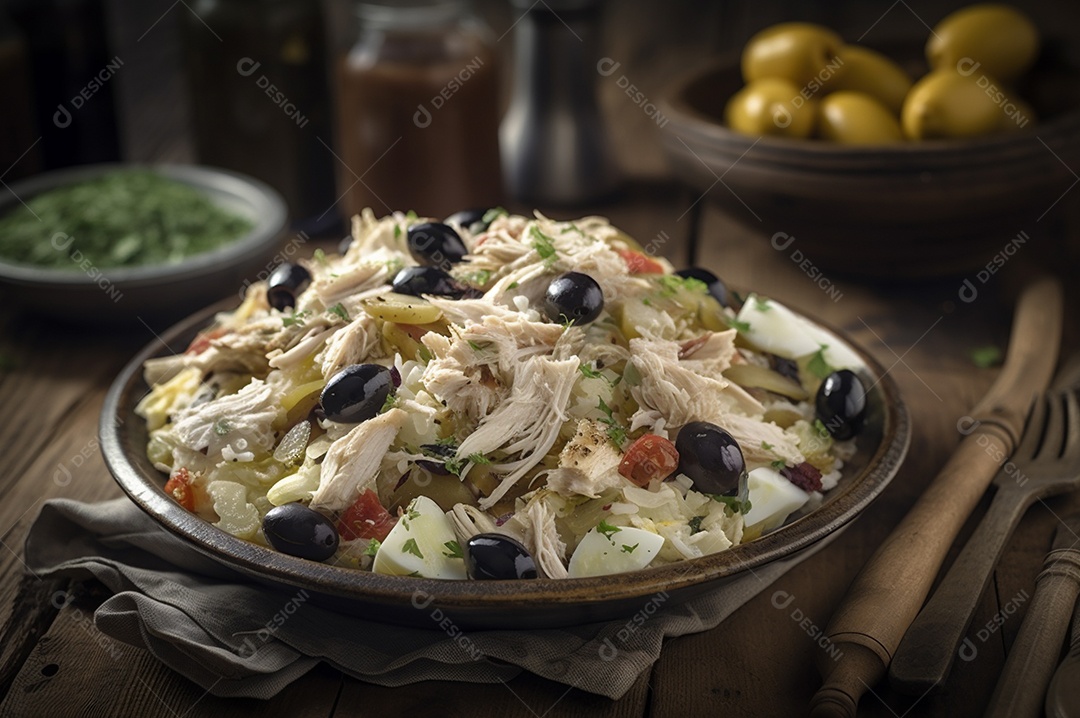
{"x":928,"y":195}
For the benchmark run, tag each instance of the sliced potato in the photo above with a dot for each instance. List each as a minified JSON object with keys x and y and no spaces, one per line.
{"x":402,"y":308}
{"x":752,"y":376}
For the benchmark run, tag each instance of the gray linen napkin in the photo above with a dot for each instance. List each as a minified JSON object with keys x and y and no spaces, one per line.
{"x":237,"y":638}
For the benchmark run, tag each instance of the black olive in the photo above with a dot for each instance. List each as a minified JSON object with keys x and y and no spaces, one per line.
{"x":434,"y":244}
{"x":841,"y":403}
{"x":430,"y":280}
{"x":715,"y":285}
{"x":300,"y":531}
{"x":785,"y":367}
{"x":711,"y":457}
{"x":470,"y":219}
{"x":573,"y":298}
{"x":286,"y":282}
{"x":494,"y":556}
{"x":356,"y":393}
{"x":344,"y":244}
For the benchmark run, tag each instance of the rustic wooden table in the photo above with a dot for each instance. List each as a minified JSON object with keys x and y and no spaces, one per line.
{"x":759,"y":662}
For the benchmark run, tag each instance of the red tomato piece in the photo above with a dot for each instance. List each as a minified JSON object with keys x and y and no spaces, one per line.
{"x":202,"y":340}
{"x":650,"y":457}
{"x":179,"y":488}
{"x":366,"y":518}
{"x":639,"y":263}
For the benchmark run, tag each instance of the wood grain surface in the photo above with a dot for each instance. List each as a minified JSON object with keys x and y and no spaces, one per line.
{"x":759,"y":662}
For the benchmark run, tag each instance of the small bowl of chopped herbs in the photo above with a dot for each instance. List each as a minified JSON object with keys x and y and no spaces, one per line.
{"x":121,"y":243}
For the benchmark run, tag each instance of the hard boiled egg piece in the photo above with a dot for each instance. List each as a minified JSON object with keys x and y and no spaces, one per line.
{"x":422,"y":543}
{"x":775,"y":328}
{"x":614,"y":551}
{"x":772,"y":499}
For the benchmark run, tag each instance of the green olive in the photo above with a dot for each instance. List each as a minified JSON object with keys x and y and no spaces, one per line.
{"x":991,"y":39}
{"x":770,"y":106}
{"x":946,"y":104}
{"x":870,"y":72}
{"x":797,"y":51}
{"x":855,"y":118}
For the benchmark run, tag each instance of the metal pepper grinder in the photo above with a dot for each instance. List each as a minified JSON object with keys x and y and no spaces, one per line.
{"x":555,"y":150}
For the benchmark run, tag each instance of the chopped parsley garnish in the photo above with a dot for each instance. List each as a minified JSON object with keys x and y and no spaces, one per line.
{"x":424,"y":354}
{"x":446,"y":441}
{"x":695,"y":525}
{"x":390,"y":402}
{"x":411,"y":547}
{"x":607,"y":530}
{"x":454,"y":465}
{"x":820,"y":429}
{"x":476,"y":347}
{"x":222,"y":426}
{"x":411,"y":216}
{"x":543,"y":244}
{"x":646,"y":301}
{"x":572,"y":227}
{"x":738,"y":325}
{"x":778,"y":464}
{"x":672,"y":283}
{"x":297,"y":318}
{"x":762,"y":305}
{"x":397,"y":231}
{"x":629,"y":549}
{"x":512,"y":285}
{"x":413,"y":513}
{"x":319,"y":256}
{"x":480,"y":277}
{"x":766,"y":446}
{"x":615,"y":431}
{"x":733,"y":503}
{"x":479,"y":459}
{"x":493,"y":214}
{"x":453,"y":550}
{"x":817,"y":364}
{"x":986,"y":357}
{"x":373,"y":547}
{"x":590,"y":372}
{"x":339,"y":310}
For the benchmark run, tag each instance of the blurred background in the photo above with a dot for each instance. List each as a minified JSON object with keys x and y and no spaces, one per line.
{"x":304,"y":95}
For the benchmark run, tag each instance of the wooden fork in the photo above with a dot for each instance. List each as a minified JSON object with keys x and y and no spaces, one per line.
{"x":1046,"y":462}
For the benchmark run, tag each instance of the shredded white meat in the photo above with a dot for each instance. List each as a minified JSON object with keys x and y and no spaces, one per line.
{"x":242,"y":422}
{"x":588,"y":464}
{"x":353,"y":461}
{"x":527,"y":423}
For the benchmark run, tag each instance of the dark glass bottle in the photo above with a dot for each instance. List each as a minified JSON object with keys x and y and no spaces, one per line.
{"x":259,"y":96}
{"x":72,"y":71}
{"x":418,"y":114}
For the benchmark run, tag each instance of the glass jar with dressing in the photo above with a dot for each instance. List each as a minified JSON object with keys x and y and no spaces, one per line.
{"x":418,"y":114}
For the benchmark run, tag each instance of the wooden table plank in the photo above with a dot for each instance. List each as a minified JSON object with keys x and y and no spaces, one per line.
{"x":75,"y":670}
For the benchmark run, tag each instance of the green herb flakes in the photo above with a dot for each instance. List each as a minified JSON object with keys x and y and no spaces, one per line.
{"x":817,"y":364}
{"x":607,"y":530}
{"x":411,"y":547}
{"x":125,"y":218}
{"x":372,"y":547}
{"x":453,"y":550}
{"x":986,"y":357}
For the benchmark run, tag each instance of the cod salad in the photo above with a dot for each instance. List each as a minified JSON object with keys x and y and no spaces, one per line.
{"x":496,"y":396}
